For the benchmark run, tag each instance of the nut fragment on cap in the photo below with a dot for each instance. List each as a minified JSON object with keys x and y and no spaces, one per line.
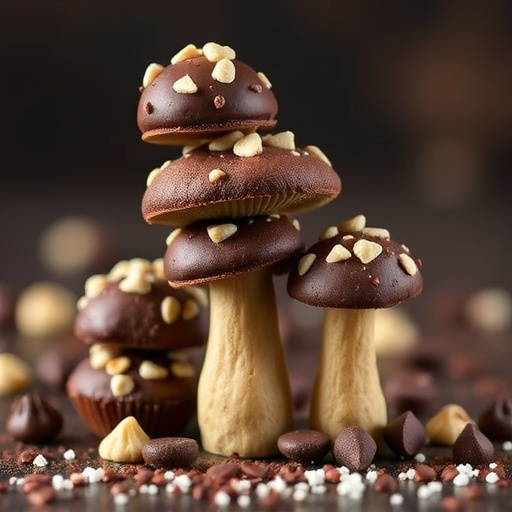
{"x":216,"y":175}
{"x":282,"y":140}
{"x":185,"y":85}
{"x":135,"y":282}
{"x":224,"y":71}
{"x":170,"y":309}
{"x":124,"y":443}
{"x":215,"y":52}
{"x":366,"y":250}
{"x":199,"y":293}
{"x":296,"y":224}
{"x":329,"y":232}
{"x":188,"y":52}
{"x":264,"y":80}
{"x":305,"y":263}
{"x":151,"y":371}
{"x":118,"y":365}
{"x":172,"y":235}
{"x":101,"y":353}
{"x":408,"y":264}
{"x":152,"y":71}
{"x":316,"y":151}
{"x":95,"y":284}
{"x":338,"y":253}
{"x":182,"y":369}
{"x":447,"y":424}
{"x":221,"y":232}
{"x":15,"y":374}
{"x":158,"y":269}
{"x":353,"y":225}
{"x":190,"y":309}
{"x":226,"y":141}
{"x":119,"y":270}
{"x":377,"y":233}
{"x":152,"y":175}
{"x":121,"y":385}
{"x":250,"y":145}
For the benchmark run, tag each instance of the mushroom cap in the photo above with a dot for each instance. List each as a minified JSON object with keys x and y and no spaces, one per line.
{"x":275,"y":181}
{"x":356,"y":270}
{"x":165,"y":116}
{"x":135,"y":307}
{"x":199,"y":254}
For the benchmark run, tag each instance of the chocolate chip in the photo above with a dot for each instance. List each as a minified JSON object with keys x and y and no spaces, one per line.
{"x":224,"y":472}
{"x":386,"y":483}
{"x":253,"y":469}
{"x":33,"y":419}
{"x":170,"y":452}
{"x":219,"y":101}
{"x":405,"y":435}
{"x":304,"y":446}
{"x":354,"y":448}
{"x":496,"y":420}
{"x":449,"y":473}
{"x":424,"y":473}
{"x":472,"y":447}
{"x":27,"y":456}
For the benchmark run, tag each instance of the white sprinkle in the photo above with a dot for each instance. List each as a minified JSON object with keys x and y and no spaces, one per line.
{"x":420,"y":457}
{"x":493,"y":465}
{"x":435,"y":486}
{"x":301,"y":486}
{"x":402,"y":476}
{"x":183,"y":482}
{"x":68,"y":485}
{"x":465,"y":469}
{"x":343,"y":470}
{"x":152,"y":489}
{"x":371,"y":476}
{"x":40,"y":461}
{"x":492,"y":478}
{"x":278,"y":485}
{"x":461,"y":480}
{"x":411,"y":474}
{"x":222,"y":499}
{"x":143,"y":489}
{"x":396,"y":499}
{"x":300,"y":495}
{"x":57,"y":482}
{"x":243,"y":500}
{"x":93,"y":475}
{"x":507,"y":446}
{"x":241,"y":485}
{"x":262,"y":490}
{"x":318,"y":489}
{"x":315,"y":476}
{"x":423,"y":492}
{"x":169,"y":475}
{"x":12,"y":480}
{"x":69,"y":454}
{"x":121,"y":498}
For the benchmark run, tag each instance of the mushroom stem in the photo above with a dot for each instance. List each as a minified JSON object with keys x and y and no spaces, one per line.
{"x":244,"y":398}
{"x":347,"y":389}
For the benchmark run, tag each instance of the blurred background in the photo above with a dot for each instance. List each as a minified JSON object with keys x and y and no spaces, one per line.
{"x":410,"y":100}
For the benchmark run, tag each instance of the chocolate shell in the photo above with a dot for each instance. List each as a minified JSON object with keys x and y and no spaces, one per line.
{"x":277,"y":180}
{"x":199,"y":253}
{"x":167,"y":116}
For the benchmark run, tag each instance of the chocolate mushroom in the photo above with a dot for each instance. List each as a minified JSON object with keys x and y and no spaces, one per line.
{"x":352,"y":271}
{"x":204,"y":92}
{"x":244,"y":399}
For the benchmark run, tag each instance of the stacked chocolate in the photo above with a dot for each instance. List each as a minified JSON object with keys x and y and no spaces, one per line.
{"x":140,"y":331}
{"x":229,"y":197}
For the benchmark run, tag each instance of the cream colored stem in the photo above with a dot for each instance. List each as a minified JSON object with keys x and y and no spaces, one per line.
{"x":347,"y":389}
{"x":244,"y":398}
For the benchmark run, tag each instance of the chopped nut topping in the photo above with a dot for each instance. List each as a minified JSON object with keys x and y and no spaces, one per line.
{"x":408,"y":264}
{"x":215,"y":52}
{"x":152,"y":175}
{"x":224,"y":71}
{"x":82,"y":303}
{"x":101,"y":353}
{"x":353,"y":225}
{"x":264,"y":80}
{"x":283,"y":140}
{"x":329,"y":232}
{"x":250,"y":145}
{"x":152,"y":71}
{"x":15,"y":374}
{"x":274,"y":216}
{"x":406,"y":249}
{"x":295,"y":153}
{"x":219,"y":101}
{"x":377,"y":233}
{"x":199,"y":294}
{"x":190,"y":309}
{"x":118,"y":365}
{"x":305,"y":263}
{"x":173,"y":234}
{"x":296,"y":224}
{"x":366,"y":251}
{"x":338,"y":253}
{"x":220,"y":232}
{"x":189,"y":52}
{"x":119,"y":270}
{"x":346,"y":238}
{"x":170,"y":309}
{"x":135,"y":282}
{"x":94,"y":285}
{"x":124,"y":444}
{"x":216,"y":175}
{"x":187,"y":148}
{"x":182,"y":369}
{"x":149,"y":370}
{"x":158,"y":269}
{"x":316,"y":151}
{"x":140,"y":265}
{"x":226,"y":141}
{"x":121,"y":385}
{"x":185,"y":85}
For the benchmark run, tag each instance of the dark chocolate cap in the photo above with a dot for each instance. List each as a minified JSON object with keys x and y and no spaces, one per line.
{"x":208,"y":251}
{"x":211,"y":184}
{"x":134,"y":306}
{"x":200,"y":98}
{"x":355,"y":267}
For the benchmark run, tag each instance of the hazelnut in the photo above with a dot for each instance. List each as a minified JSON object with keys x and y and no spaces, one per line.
{"x":152,"y":371}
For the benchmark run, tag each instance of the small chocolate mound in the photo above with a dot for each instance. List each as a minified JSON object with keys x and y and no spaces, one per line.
{"x":472,"y":447}
{"x":385,"y":483}
{"x":304,"y":446}
{"x":33,"y":419}
{"x":354,"y":448}
{"x":496,"y":420}
{"x":405,"y":435}
{"x":170,"y":452}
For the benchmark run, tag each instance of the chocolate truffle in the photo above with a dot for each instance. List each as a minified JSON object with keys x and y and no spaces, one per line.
{"x":240,"y":176}
{"x":351,"y":271}
{"x":305,"y":446}
{"x":203,"y":91}
{"x":170,"y":452}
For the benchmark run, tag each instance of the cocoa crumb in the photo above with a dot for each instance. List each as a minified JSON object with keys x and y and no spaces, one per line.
{"x":219,"y":101}
{"x":256,"y":88}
